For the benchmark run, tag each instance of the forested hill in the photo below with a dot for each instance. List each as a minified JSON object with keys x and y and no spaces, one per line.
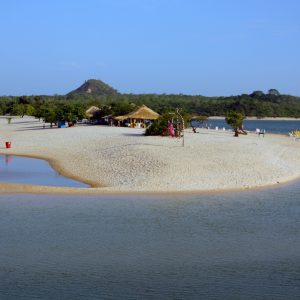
{"x":258,"y":103}
{"x":94,"y":87}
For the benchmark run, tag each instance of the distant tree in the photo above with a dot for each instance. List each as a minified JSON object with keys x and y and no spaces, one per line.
{"x":37,"y":103}
{"x":49,"y":115}
{"x":38,"y":113}
{"x":235,"y":120}
{"x":70,"y":112}
{"x":105,"y":110}
{"x":23,"y":100}
{"x":257,"y":94}
{"x":18,"y":110}
{"x":255,"y":104}
{"x":122,"y":107}
{"x":29,"y":110}
{"x":273,"y":92}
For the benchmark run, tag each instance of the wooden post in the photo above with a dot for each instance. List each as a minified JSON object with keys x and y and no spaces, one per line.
{"x":182,"y":122}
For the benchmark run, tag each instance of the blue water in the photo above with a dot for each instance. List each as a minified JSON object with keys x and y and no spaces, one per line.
{"x":23,"y":170}
{"x":271,"y":126}
{"x":242,"y":245}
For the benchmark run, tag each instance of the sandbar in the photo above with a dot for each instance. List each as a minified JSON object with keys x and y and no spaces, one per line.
{"x":123,"y":160}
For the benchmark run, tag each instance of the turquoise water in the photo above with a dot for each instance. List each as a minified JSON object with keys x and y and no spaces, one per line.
{"x":227,"y":246}
{"x":23,"y":170}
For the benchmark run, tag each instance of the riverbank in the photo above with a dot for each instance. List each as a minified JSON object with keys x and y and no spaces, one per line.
{"x":261,"y":119}
{"x":123,"y":160}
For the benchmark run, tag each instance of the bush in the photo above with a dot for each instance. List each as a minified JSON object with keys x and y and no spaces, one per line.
{"x":159,"y":126}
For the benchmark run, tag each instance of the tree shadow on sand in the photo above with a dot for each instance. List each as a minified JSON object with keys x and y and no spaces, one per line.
{"x":36,"y":128}
{"x":134,"y":134}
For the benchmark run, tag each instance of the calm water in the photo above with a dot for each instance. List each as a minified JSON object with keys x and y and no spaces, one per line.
{"x":282,"y":127}
{"x":226,"y":246}
{"x":17,"y":169}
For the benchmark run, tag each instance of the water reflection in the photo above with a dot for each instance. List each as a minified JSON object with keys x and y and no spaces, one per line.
{"x":23,"y":170}
{"x":8,"y":159}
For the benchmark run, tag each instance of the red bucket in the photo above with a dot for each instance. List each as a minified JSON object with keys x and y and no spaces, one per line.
{"x":8,"y":144}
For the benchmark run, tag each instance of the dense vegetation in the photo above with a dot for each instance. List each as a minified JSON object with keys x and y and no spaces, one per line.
{"x":258,"y":104}
{"x":93,"y":92}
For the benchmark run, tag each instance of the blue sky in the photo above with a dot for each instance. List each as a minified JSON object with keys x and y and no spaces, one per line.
{"x":197,"y":47}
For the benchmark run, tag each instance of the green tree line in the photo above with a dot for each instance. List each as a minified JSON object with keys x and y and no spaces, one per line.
{"x":72,"y":107}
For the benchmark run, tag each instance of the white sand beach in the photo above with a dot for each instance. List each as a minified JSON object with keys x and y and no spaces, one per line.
{"x":119,"y":160}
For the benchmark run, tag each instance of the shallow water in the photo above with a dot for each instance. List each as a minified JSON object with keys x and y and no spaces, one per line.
{"x":227,"y":246}
{"x":24,"y":170}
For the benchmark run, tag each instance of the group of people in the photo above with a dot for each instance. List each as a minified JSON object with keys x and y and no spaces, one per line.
{"x":174,"y":131}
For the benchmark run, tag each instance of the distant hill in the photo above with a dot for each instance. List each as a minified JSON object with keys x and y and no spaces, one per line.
{"x":95,"y":88}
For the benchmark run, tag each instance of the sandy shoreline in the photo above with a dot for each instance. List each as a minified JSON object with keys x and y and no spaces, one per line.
{"x":123,"y":160}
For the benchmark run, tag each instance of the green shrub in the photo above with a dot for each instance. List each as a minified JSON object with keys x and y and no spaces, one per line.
{"x":159,"y":126}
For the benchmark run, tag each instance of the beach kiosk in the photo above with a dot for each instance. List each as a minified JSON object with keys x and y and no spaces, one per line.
{"x":139,"y":118}
{"x":92,"y":111}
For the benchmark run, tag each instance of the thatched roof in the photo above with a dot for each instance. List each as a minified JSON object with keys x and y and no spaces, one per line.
{"x":90,"y":112}
{"x":142,"y":113}
{"x":121,"y":118}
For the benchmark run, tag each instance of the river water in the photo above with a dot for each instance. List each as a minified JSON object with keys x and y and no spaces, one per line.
{"x":242,"y":245}
{"x":271,"y":126}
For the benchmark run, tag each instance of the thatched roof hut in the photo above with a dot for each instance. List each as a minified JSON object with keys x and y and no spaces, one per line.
{"x":121,"y":118}
{"x":90,"y":112}
{"x":141,"y":113}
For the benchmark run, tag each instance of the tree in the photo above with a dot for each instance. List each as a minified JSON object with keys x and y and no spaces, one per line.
{"x":122,"y":107}
{"x":38,"y":112}
{"x":23,"y":100}
{"x":257,"y":94}
{"x":18,"y":110}
{"x":235,"y":120}
{"x":38,"y":102}
{"x":29,"y":110}
{"x":273,"y":92}
{"x":49,"y":114}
